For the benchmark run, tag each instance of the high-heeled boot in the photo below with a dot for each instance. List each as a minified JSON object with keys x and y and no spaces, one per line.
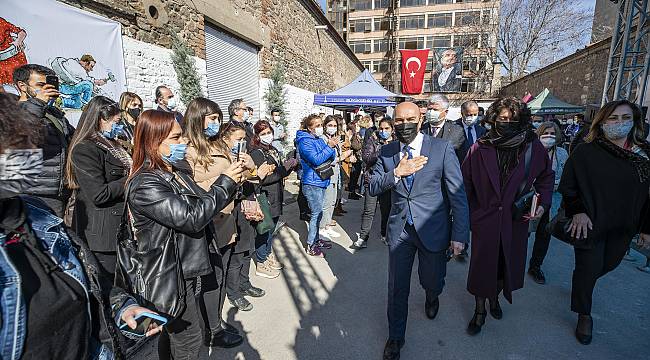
{"x":478,"y":320}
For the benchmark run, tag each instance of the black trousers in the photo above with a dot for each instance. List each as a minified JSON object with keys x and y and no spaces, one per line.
{"x":432,"y":269}
{"x":369,"y":210}
{"x":303,"y":206}
{"x":542,"y":241}
{"x":591,"y":264}
{"x":215,"y":291}
{"x":354,"y":176}
{"x":237,"y":276}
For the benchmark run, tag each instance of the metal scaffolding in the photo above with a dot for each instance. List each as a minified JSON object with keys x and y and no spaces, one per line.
{"x":629,"y":59}
{"x":392,"y":74}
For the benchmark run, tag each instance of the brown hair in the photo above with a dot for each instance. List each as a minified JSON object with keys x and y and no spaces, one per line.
{"x":18,"y":129}
{"x":518,"y":108}
{"x":194,"y":120}
{"x":225,"y":132}
{"x":596,"y":131}
{"x":307,"y":121}
{"x":256,"y":142}
{"x":125,"y":100}
{"x":559,"y":138}
{"x":153,"y":128}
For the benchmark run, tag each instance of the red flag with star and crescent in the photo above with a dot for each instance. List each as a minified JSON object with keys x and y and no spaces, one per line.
{"x":414,"y":65}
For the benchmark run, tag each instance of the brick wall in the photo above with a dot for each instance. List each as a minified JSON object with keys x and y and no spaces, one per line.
{"x":577,"y":79}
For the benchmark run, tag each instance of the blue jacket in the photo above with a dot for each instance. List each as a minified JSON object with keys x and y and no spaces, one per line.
{"x":50,"y":230}
{"x":313,"y":152}
{"x":437,"y":190}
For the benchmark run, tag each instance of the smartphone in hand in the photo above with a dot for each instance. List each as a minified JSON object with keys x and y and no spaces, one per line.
{"x":534,"y":204}
{"x":144,"y":321}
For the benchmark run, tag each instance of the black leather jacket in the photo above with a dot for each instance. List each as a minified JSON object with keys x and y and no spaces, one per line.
{"x":57,"y":135}
{"x":160,"y":206}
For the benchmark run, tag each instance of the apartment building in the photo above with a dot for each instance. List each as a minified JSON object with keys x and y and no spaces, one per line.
{"x":376,"y":30}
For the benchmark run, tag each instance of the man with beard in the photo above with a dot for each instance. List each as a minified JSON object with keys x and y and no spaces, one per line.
{"x":423,"y":175}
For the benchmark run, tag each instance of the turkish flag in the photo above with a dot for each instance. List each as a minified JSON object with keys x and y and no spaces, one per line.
{"x":414,"y":64}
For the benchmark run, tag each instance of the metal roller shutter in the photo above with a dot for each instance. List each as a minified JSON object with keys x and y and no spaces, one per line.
{"x":233,"y":70}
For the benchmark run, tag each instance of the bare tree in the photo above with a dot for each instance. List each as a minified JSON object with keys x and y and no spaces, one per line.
{"x":532,"y":32}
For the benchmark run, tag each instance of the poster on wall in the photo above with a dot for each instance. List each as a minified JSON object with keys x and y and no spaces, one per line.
{"x":447,"y":69}
{"x":84,"y":49}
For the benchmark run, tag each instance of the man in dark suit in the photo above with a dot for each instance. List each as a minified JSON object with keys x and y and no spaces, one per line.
{"x":437,"y":125}
{"x":469,"y":112}
{"x":424,"y":178}
{"x":166,"y":101}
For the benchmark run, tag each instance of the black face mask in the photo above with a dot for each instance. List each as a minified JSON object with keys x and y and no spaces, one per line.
{"x":135,"y":112}
{"x":507,"y":129}
{"x":406,"y":132}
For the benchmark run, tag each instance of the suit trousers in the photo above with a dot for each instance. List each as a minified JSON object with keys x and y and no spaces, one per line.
{"x":369,"y":210}
{"x":432,"y":269}
{"x":591,"y":264}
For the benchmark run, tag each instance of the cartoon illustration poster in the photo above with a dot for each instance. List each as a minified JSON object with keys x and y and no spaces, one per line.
{"x":84,"y":49}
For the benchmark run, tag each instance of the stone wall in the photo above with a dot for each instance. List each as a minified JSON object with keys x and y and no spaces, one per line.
{"x":577,"y":79}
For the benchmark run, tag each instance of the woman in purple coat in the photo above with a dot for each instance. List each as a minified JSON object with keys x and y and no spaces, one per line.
{"x":494,"y":172}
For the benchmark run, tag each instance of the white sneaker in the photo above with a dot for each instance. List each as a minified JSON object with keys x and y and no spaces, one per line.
{"x":344,"y":200}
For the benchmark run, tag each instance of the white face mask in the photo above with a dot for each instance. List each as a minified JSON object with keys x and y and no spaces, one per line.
{"x":318,"y":131}
{"x":470,"y":120}
{"x":171,"y":103}
{"x":331,"y":130}
{"x":245,"y":116}
{"x":547,"y":140}
{"x":434,"y":116}
{"x":266,"y":139}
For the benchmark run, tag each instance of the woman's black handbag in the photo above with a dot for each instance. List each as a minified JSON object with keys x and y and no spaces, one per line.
{"x":325,"y":170}
{"x":559,"y":228}
{"x":524,"y":200}
{"x":161,"y":285}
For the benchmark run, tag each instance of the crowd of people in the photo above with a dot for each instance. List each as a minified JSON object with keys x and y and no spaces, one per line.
{"x":139,"y":212}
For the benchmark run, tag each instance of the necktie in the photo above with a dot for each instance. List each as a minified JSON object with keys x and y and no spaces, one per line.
{"x":409,"y":183}
{"x":470,"y":136}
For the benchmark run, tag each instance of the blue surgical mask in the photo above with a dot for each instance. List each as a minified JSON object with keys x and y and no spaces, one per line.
{"x":116,"y":130}
{"x":212,"y":129}
{"x":617,"y":130}
{"x":177,"y":153}
{"x":384,"y":135}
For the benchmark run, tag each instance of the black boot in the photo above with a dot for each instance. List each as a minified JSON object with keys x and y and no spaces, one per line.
{"x":584,"y":328}
{"x":478,"y":320}
{"x":537,"y":274}
{"x":495,"y":309}
{"x":224,"y":339}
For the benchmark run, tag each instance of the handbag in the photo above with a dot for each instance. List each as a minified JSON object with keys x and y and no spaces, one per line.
{"x":325,"y":170}
{"x":152,"y":286}
{"x":559,"y":228}
{"x":524,"y":199}
{"x":266,"y":224}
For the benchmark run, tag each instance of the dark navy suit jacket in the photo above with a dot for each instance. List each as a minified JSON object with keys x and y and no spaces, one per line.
{"x":437,"y":190}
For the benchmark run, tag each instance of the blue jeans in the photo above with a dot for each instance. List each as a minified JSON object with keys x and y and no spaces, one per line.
{"x":264,"y":243}
{"x":315,"y":196}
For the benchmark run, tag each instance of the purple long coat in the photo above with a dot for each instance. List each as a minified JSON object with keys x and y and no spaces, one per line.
{"x":491,"y":216}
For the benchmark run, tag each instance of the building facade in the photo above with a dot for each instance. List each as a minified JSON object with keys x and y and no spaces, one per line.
{"x":236,"y":45}
{"x":377,"y":29}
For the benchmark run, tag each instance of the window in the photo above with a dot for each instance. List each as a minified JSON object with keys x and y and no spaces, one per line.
{"x":467,"y":85}
{"x":407,"y":3}
{"x":429,"y":65}
{"x":361,"y":25}
{"x":439,"y":20}
{"x":439,"y":2}
{"x":380,"y":66}
{"x":361,"y":4}
{"x":411,"y":22}
{"x":438,"y":42}
{"x":468,"y":18}
{"x":382,"y":24}
{"x":360,"y":47}
{"x":482,"y":63}
{"x":466,"y":41}
{"x":426,"y":88}
{"x":412,"y":43}
{"x":469,"y":63}
{"x":487,"y":17}
{"x":380,"y":46}
{"x":485,"y":41}
{"x":382,"y":4}
{"x":367,"y":64}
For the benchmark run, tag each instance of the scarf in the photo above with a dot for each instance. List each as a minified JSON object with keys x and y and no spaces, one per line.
{"x":508,"y":149}
{"x":117,"y":151}
{"x":641,"y":163}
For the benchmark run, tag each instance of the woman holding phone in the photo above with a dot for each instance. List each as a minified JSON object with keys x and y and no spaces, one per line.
{"x":169,"y":212}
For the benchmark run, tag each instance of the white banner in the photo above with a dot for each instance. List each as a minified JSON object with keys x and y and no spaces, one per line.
{"x":84,"y":49}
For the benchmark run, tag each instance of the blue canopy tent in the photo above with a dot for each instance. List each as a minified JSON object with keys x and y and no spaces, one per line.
{"x":364,"y":92}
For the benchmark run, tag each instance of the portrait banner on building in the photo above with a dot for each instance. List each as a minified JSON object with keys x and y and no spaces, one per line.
{"x":447,"y":69}
{"x":84,"y":49}
{"x":414,"y":65}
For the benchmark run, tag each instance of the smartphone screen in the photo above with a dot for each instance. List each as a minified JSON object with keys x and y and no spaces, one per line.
{"x":239,"y":148}
{"x":342,"y":138}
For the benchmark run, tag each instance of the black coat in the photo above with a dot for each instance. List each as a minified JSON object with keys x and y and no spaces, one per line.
{"x":453,"y":133}
{"x":272,"y":185}
{"x":100,"y":197}
{"x":608,"y":190}
{"x":57,"y":135}
{"x":160,"y":206}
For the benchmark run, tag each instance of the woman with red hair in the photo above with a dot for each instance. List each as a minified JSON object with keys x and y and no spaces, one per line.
{"x":169,"y":214}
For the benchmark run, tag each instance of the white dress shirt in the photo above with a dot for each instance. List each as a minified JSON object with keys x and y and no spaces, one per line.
{"x":444,"y":76}
{"x":416,"y":149}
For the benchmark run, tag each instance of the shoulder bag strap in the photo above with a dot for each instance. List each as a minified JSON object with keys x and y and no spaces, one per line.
{"x":527,"y":160}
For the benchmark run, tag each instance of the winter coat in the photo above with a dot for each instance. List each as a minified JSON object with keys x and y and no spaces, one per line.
{"x":313,"y":152}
